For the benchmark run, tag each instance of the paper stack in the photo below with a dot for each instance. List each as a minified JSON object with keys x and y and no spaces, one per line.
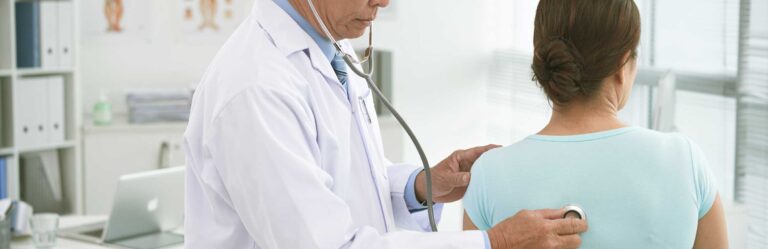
{"x":153,"y":106}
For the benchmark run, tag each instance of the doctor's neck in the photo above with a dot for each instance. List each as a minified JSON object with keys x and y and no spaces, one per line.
{"x":305,"y":11}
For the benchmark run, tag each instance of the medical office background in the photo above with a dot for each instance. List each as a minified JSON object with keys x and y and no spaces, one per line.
{"x":450,"y":67}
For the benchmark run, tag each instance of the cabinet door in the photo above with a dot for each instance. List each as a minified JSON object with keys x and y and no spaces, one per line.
{"x":110,"y":154}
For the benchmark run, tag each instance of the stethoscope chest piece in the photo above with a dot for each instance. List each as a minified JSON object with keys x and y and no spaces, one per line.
{"x":574,"y":212}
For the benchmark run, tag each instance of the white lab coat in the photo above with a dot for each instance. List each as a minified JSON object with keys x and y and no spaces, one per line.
{"x":279,"y":156}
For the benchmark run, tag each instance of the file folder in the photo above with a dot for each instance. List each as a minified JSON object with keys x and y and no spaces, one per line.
{"x":49,"y":32}
{"x":3,"y":179}
{"x":32,"y":113}
{"x":66,"y":33}
{"x":55,"y":109}
{"x":27,"y":34}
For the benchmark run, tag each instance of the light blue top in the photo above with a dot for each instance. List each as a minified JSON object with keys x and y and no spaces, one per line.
{"x":639,"y":188}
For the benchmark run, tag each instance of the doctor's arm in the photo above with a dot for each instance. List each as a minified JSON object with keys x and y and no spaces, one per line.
{"x":450,"y":178}
{"x":263,"y":144}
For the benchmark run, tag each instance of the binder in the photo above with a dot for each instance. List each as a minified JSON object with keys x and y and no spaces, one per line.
{"x":23,"y":129}
{"x":3,"y":109}
{"x":27,"y":34}
{"x":3,"y":179}
{"x":55,"y":107}
{"x":32,"y":112}
{"x":66,"y":33}
{"x":49,"y":32}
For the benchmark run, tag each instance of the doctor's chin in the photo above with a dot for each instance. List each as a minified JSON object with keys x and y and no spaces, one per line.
{"x":383,"y":124}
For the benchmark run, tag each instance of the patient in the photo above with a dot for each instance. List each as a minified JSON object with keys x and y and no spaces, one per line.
{"x":639,"y":188}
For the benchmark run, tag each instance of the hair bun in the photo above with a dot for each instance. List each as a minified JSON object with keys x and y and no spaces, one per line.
{"x":557,"y":69}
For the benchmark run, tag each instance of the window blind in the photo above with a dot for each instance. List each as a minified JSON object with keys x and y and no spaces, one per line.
{"x":752,"y":138}
{"x":700,"y":40}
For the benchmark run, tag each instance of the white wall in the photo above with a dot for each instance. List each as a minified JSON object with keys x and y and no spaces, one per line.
{"x":159,"y":55}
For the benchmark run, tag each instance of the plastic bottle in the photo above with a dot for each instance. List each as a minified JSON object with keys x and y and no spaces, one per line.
{"x":102,"y":111}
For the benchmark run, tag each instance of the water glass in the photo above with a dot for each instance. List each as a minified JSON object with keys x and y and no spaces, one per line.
{"x":44,"y":227}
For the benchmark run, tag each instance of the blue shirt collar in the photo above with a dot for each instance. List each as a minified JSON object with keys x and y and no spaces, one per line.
{"x":325,"y":44}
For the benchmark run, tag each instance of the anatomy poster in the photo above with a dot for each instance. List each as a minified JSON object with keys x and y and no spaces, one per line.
{"x":115,"y":17}
{"x":211,"y":16}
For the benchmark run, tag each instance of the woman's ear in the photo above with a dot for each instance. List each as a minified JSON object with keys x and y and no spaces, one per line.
{"x":624,"y":78}
{"x":622,"y":75}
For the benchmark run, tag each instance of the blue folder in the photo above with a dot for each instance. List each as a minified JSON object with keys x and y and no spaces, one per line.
{"x":3,"y":179}
{"x":28,"y":34}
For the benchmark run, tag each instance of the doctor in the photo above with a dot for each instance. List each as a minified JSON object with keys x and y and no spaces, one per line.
{"x":284,"y":151}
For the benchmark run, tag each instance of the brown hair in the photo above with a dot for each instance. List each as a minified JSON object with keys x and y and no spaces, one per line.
{"x":578,"y":43}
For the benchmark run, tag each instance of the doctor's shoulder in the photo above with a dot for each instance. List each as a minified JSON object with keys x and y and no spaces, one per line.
{"x":251,"y":62}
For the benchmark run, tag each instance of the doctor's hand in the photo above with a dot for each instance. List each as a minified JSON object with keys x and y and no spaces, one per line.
{"x":451,"y":176}
{"x":537,"y":229}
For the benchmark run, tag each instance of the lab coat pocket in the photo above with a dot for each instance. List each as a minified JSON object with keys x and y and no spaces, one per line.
{"x":367,"y":115}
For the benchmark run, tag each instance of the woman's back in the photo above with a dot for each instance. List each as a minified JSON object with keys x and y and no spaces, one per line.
{"x":639,"y":188}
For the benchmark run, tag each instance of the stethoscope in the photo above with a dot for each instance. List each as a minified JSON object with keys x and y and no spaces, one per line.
{"x":572,"y":211}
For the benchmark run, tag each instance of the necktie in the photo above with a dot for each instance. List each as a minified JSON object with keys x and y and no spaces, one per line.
{"x":340,"y":68}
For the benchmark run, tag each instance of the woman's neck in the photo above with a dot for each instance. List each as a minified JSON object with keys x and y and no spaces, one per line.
{"x":580,"y":117}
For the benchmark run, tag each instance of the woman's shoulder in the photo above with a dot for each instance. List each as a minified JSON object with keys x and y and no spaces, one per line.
{"x":667,"y":141}
{"x":502,"y":158}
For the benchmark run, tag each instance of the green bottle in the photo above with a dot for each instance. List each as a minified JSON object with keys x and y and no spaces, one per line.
{"x":102,"y":111}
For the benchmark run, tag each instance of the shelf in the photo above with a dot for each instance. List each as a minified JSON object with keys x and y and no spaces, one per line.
{"x":66,"y":144}
{"x":13,"y":78}
{"x":38,"y":0}
{"x":39,"y":71}
{"x":120,"y":124}
{"x":6,"y":152}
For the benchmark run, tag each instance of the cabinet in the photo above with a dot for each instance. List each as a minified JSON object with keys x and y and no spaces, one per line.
{"x":39,"y":103}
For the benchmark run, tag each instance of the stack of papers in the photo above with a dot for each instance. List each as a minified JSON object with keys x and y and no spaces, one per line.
{"x":152,"y":106}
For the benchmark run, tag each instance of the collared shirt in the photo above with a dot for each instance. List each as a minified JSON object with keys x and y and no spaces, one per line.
{"x":326,"y":46}
{"x":329,"y":51}
{"x":324,"y":43}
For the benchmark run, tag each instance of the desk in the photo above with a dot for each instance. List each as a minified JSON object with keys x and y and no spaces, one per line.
{"x":63,"y":243}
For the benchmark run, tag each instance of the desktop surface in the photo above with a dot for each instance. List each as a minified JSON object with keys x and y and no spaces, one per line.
{"x":64,"y":243}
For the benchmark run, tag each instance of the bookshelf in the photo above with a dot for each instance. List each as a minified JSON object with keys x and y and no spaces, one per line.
{"x":14,"y":108}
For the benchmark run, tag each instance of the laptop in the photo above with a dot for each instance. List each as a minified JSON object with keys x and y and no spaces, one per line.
{"x":146,"y":207}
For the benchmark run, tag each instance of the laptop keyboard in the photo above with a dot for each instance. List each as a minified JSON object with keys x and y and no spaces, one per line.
{"x":93,"y":233}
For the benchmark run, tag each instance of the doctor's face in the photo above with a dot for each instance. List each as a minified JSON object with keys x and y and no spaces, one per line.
{"x":348,"y":19}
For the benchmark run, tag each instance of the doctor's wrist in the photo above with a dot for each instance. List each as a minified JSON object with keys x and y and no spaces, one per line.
{"x":420,"y":187}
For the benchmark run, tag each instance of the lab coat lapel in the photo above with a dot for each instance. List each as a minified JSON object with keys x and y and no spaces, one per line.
{"x":361,"y":99}
{"x":284,"y":32}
